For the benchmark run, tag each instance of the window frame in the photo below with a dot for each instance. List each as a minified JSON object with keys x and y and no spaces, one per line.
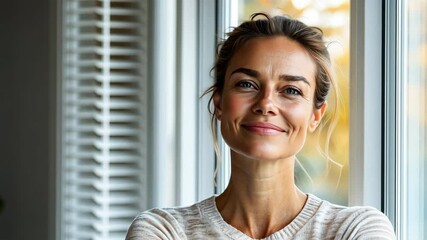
{"x":227,"y":17}
{"x":399,"y":200}
{"x":206,"y":44}
{"x":192,"y":45}
{"x":365,"y":164}
{"x":162,"y":84}
{"x":391,"y":72}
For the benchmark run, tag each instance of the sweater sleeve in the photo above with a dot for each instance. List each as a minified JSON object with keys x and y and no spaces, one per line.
{"x":155,"y":224}
{"x":367,"y":223}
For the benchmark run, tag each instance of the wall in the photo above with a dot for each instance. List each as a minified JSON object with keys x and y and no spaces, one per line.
{"x":25,"y":118}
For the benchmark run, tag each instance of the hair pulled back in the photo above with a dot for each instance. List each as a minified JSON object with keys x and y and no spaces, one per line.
{"x":263,"y":25}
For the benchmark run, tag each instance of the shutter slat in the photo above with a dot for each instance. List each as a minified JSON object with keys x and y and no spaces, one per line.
{"x":122,"y":117}
{"x":119,"y":158}
{"x":123,"y":185}
{"x":127,"y":51}
{"x":122,"y":157}
{"x":122,"y":78}
{"x":100,"y":38}
{"x":114,"y":77}
{"x":119,"y":172}
{"x":118,"y":144}
{"x":114,"y":91}
{"x":126,"y":12}
{"x":125,"y":25}
{"x":124,"y":199}
{"x":119,"y":104}
{"x":97,"y":10}
{"x":117,"y":131}
{"x":116,"y":213}
{"x":82,"y":10}
{"x":100,"y":64}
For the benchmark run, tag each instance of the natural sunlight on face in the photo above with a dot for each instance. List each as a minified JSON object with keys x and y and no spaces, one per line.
{"x":316,"y":173}
{"x":266,"y":107}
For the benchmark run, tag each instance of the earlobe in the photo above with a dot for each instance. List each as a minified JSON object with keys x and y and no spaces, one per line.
{"x":217,"y":105}
{"x":318,"y":114}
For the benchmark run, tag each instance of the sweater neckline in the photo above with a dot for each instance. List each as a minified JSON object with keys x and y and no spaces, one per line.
{"x":209,"y":210}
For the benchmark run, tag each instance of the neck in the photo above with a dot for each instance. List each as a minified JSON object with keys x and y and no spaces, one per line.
{"x":261,"y":197}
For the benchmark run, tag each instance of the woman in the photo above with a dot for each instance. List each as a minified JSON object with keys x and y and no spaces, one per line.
{"x":272,"y":77}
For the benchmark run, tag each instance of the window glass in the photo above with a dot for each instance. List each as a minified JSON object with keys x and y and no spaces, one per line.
{"x":323,"y":168}
{"x":414,"y":120}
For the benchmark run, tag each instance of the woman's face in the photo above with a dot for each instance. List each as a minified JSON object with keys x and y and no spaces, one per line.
{"x":267,"y":107}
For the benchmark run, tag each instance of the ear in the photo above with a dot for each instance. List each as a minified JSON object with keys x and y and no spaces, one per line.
{"x":317,"y":117}
{"x":217,"y":105}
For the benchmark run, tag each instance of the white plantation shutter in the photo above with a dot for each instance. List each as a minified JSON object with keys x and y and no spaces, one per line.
{"x":103,"y":148}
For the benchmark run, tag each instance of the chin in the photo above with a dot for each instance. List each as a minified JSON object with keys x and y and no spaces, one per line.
{"x":264,"y":153}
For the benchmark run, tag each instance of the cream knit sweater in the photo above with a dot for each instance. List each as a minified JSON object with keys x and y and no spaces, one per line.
{"x":318,"y":219}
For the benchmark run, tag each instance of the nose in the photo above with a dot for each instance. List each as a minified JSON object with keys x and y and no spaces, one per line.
{"x":265,"y":104}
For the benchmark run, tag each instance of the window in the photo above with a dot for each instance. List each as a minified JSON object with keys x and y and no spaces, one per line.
{"x":406,"y":118}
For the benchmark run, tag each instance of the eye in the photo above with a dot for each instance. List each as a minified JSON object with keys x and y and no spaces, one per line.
{"x":292,"y":91}
{"x":246,"y":85}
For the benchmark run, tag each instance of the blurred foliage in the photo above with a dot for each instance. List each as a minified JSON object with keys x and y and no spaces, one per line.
{"x":318,"y":173}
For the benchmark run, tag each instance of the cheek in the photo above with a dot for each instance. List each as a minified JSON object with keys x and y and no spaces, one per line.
{"x":298,"y":115}
{"x":233,"y":105}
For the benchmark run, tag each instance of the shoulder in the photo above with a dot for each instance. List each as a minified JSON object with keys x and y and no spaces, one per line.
{"x":365,"y":223}
{"x":154,"y":224}
{"x":161,"y":223}
{"x":164,"y":223}
{"x":355,"y":222}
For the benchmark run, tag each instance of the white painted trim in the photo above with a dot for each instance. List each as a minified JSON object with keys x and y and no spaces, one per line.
{"x":401,"y":127}
{"x":365,"y":176}
{"x":390,"y":131}
{"x":227,"y":18}
{"x":162,"y":110}
{"x":187,"y":99}
{"x":206,"y":56}
{"x":181,"y":147}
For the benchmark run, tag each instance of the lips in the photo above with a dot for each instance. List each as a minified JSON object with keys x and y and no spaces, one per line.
{"x":263,"y":128}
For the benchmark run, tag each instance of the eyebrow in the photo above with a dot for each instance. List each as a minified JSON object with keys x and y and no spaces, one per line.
{"x":286,"y":77}
{"x":294,"y":78}
{"x":247,"y":71}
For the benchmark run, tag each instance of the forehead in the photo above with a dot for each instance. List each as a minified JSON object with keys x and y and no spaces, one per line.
{"x":274,"y":56}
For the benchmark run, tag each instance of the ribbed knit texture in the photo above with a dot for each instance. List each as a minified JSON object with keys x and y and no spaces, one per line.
{"x":318,"y":219}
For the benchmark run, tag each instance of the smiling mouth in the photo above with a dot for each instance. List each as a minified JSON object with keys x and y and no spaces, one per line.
{"x":263,"y":128}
